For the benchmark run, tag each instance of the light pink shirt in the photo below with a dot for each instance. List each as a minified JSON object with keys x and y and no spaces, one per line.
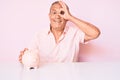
{"x":66,"y":50}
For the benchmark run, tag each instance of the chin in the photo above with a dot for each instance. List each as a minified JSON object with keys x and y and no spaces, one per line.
{"x":58,"y":26}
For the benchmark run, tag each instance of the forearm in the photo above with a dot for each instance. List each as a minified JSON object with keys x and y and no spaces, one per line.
{"x":89,"y":29}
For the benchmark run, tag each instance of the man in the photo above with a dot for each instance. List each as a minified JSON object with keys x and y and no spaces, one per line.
{"x":61,"y":43}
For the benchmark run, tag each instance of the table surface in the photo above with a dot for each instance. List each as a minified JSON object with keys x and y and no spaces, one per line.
{"x":62,"y":71}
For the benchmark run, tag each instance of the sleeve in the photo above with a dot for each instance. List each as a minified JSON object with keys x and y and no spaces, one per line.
{"x":81,"y":36}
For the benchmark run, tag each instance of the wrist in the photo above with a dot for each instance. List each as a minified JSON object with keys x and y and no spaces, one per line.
{"x":70,"y":18}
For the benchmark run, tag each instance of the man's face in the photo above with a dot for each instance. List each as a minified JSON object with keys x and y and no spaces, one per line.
{"x":57,"y":22}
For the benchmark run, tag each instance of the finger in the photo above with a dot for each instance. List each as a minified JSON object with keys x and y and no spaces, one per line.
{"x":62,"y":4}
{"x":22,"y":52}
{"x":25,"y":49}
{"x":20,"y":59}
{"x":62,"y":12}
{"x":20,"y":56}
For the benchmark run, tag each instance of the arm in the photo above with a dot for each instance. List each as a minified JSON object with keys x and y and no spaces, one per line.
{"x":90,"y":30}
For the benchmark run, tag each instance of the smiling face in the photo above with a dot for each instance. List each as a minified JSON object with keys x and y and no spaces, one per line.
{"x":56,"y":21}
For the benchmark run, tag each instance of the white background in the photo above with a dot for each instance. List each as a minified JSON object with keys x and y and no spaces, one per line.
{"x":20,"y":19}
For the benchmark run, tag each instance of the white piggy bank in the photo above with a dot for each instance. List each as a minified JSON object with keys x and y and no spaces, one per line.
{"x":31,"y":59}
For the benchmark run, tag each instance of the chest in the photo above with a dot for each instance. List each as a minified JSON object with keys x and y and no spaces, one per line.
{"x":48,"y":45}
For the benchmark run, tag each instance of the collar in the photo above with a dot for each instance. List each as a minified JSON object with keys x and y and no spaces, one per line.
{"x":64,"y":32}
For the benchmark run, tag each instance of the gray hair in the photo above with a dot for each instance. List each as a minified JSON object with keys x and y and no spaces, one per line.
{"x":57,"y":2}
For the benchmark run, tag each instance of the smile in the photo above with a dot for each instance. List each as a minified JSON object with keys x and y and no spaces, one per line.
{"x":57,"y":21}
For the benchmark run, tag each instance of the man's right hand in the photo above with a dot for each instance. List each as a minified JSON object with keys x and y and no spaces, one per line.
{"x":21,"y":54}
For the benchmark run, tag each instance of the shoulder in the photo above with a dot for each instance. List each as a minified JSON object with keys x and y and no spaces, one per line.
{"x":74,"y":29}
{"x":41,"y":33}
{"x":77,"y":33}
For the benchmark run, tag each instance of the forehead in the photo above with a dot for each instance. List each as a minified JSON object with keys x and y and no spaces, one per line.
{"x":56,"y":6}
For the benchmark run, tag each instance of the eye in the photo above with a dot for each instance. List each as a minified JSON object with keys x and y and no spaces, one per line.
{"x":54,"y":12}
{"x":62,"y":12}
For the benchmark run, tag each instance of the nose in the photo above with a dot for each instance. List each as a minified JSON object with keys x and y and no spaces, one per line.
{"x":57,"y":16}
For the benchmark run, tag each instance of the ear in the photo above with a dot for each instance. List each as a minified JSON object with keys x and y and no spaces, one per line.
{"x":49,"y":15}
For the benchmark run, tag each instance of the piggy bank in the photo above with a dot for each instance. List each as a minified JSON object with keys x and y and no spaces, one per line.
{"x":31,"y":59}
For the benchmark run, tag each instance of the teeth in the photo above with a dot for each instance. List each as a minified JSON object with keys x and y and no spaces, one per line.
{"x":58,"y":21}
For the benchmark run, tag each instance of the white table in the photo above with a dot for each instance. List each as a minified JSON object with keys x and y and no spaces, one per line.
{"x":62,"y":71}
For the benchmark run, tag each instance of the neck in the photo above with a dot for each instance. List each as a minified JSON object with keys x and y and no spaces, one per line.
{"x":57,"y":30}
{"x":57,"y":33}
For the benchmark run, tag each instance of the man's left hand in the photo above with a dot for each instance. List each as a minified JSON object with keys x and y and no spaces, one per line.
{"x":64,"y":11}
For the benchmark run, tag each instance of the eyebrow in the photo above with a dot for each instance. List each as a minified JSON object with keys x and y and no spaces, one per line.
{"x":53,"y":9}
